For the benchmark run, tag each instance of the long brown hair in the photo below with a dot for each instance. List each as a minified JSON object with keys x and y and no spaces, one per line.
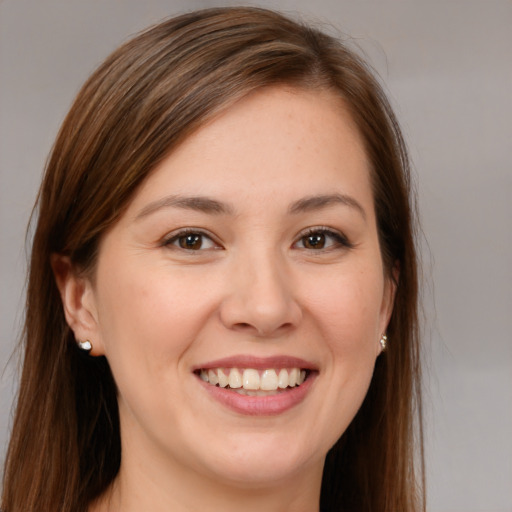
{"x":138,"y":106}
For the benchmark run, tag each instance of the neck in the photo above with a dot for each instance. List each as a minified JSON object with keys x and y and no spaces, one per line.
{"x":135,"y":490}
{"x":151,"y":482}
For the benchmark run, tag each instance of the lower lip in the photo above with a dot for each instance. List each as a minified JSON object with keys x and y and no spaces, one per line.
{"x":270,"y":405}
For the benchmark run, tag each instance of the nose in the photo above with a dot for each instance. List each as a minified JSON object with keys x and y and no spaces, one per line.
{"x":260,"y":299}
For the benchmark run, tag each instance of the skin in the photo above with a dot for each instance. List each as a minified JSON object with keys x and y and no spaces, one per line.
{"x":255,"y":287}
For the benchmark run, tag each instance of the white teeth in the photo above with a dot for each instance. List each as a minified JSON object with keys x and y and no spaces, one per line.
{"x":212,"y":377}
{"x":255,"y":382}
{"x":292,"y":377}
{"x":235,"y":379}
{"x":223,"y":378}
{"x":251,"y":379}
{"x":269,"y":380}
{"x":283,"y":379}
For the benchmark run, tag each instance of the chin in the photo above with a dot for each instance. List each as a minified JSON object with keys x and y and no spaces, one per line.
{"x":260,"y":474}
{"x":259,"y":463}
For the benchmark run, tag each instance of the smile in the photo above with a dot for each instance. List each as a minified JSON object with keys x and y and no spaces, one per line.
{"x":257,"y":386}
{"x":254,"y":382}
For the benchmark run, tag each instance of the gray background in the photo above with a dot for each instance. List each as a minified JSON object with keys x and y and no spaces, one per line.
{"x":447,"y":66}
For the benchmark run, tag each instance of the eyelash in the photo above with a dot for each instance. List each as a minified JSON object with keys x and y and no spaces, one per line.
{"x":340,"y":241}
{"x":175,"y":237}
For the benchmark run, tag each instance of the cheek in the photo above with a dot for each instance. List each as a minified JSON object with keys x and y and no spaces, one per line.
{"x":148,"y":316}
{"x":347,"y":309}
{"x":347,"y":314}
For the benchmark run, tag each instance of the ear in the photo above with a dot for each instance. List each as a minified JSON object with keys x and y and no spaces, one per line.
{"x":388,"y":300}
{"x":79,"y":303}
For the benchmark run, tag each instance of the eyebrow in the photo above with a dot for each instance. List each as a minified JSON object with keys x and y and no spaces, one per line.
{"x":196,"y":203}
{"x":212,"y":206}
{"x":317,"y":202}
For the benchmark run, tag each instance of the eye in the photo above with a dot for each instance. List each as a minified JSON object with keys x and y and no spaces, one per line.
{"x":321,"y":238}
{"x":191,"y":241}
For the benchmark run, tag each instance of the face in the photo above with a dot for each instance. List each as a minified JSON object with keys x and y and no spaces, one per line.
{"x":241,"y":297}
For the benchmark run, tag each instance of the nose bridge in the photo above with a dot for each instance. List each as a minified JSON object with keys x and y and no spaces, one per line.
{"x":261,"y":296}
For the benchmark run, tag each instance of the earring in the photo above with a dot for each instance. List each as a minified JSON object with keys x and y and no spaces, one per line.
{"x":86,"y":346}
{"x":384,"y":342}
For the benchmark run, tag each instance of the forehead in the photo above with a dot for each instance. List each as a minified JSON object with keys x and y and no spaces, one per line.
{"x":276,"y":142}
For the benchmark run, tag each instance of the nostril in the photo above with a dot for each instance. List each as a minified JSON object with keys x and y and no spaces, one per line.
{"x":259,"y":330}
{"x":243,"y":325}
{"x":251,"y":314}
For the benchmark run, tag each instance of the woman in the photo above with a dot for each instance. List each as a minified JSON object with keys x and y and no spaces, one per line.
{"x":224,"y":252}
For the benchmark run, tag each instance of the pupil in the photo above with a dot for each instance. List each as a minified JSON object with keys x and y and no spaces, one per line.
{"x":315,"y":241}
{"x":190,"y":242}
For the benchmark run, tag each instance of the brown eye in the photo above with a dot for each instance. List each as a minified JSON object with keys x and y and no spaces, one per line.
{"x":314,"y":241}
{"x":322,"y":239}
{"x":192,"y":241}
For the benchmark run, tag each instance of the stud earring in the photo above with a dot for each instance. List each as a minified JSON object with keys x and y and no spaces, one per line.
{"x":384,"y":342}
{"x":85,"y":346}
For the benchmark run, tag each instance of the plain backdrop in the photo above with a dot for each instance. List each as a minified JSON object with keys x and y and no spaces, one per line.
{"x":447,"y":66}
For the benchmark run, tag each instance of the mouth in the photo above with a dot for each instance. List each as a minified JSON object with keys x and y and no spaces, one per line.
{"x":253,"y":381}
{"x":257,"y":386}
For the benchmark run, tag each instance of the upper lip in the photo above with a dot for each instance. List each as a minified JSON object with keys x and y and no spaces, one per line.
{"x":258,"y":363}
